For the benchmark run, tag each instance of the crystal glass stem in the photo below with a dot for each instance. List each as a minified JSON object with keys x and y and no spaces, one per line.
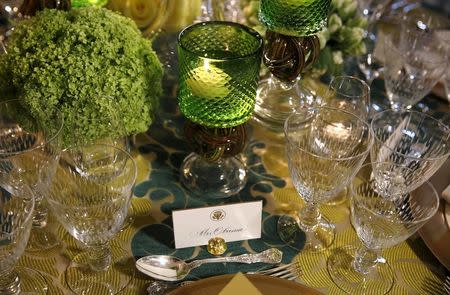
{"x":100,"y":257}
{"x":9,"y":283}
{"x":365,"y":259}
{"x":40,"y":215}
{"x":310,"y":217}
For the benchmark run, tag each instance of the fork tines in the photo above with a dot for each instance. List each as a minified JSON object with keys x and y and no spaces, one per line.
{"x":288,"y":271}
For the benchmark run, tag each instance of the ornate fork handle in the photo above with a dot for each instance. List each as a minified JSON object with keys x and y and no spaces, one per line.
{"x":271,"y":255}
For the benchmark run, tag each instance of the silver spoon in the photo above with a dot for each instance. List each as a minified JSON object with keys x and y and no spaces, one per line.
{"x":169,"y":268}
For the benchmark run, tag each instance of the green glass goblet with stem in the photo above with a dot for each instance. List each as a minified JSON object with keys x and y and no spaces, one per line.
{"x":325,"y":148}
{"x":218,"y":75}
{"x":291,"y":46}
{"x":92,"y":207}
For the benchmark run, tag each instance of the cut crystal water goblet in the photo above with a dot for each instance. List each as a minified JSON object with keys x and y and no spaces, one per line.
{"x":92,"y":207}
{"x":16,"y":218}
{"x":412,"y":139}
{"x":380,"y":221}
{"x":29,"y":151}
{"x":325,"y":148}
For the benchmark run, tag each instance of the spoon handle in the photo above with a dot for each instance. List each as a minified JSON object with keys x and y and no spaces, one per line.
{"x":271,"y":255}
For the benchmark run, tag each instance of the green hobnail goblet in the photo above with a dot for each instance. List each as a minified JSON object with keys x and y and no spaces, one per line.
{"x":219,"y":69}
{"x":291,"y":46}
{"x":294,"y":17}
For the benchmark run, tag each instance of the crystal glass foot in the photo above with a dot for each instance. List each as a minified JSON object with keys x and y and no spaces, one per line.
{"x":215,"y":180}
{"x":325,"y":148}
{"x":416,"y":144}
{"x":31,"y":281}
{"x":29,"y":150}
{"x":81,"y":280}
{"x":219,"y":69}
{"x":341,"y":268}
{"x":380,"y":221}
{"x":16,"y":207}
{"x":92,"y":207}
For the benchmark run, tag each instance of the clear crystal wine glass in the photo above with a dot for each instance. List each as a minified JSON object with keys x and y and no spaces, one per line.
{"x":353,"y":95}
{"x":325,"y":149}
{"x":16,"y":217}
{"x":350,"y":94}
{"x":29,"y":151}
{"x":413,"y":139}
{"x":414,"y":62}
{"x":110,"y":130}
{"x":380,"y":222}
{"x":92,"y":207}
{"x":368,"y":63}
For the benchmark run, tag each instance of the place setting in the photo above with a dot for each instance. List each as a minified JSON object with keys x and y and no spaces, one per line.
{"x":223,"y":147}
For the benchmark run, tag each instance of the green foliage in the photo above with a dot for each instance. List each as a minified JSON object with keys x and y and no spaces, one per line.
{"x":88,"y":63}
{"x":86,"y":3}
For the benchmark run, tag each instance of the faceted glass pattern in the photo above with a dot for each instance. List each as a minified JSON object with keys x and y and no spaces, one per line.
{"x":294,"y":17}
{"x":413,"y":139}
{"x":219,"y":69}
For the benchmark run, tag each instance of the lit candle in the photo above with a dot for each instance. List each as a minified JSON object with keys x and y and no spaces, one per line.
{"x":209,"y":82}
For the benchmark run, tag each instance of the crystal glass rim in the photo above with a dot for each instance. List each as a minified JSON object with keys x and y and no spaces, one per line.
{"x":352,"y":78}
{"x":248,"y":30}
{"x":315,"y":110}
{"x":389,"y":44}
{"x":400,"y":112}
{"x":129,"y":157}
{"x":51,"y":139}
{"x":428,"y":183}
{"x":31,"y":200}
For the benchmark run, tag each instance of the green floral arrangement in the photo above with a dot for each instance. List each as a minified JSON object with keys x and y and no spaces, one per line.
{"x":342,"y":37}
{"x":89,"y":63}
{"x":86,"y":3}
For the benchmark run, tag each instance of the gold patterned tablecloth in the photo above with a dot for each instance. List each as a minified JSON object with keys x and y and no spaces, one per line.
{"x":158,"y":154}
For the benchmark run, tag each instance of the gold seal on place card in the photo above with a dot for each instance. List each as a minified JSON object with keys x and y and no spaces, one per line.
{"x":233,"y":222}
{"x":217,"y":246}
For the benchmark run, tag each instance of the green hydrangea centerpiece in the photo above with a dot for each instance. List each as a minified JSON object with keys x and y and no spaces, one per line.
{"x":83,"y":62}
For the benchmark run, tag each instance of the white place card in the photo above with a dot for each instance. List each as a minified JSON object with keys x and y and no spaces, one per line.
{"x":234,"y":222}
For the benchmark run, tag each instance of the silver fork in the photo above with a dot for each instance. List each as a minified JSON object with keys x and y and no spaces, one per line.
{"x":289,"y":271}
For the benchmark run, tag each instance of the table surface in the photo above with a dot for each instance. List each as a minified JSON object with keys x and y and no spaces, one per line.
{"x":159,"y":153}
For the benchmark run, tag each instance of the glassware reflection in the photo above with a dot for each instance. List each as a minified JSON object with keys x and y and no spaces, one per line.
{"x":380,"y":222}
{"x":324,"y":152}
{"x":92,"y":208}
